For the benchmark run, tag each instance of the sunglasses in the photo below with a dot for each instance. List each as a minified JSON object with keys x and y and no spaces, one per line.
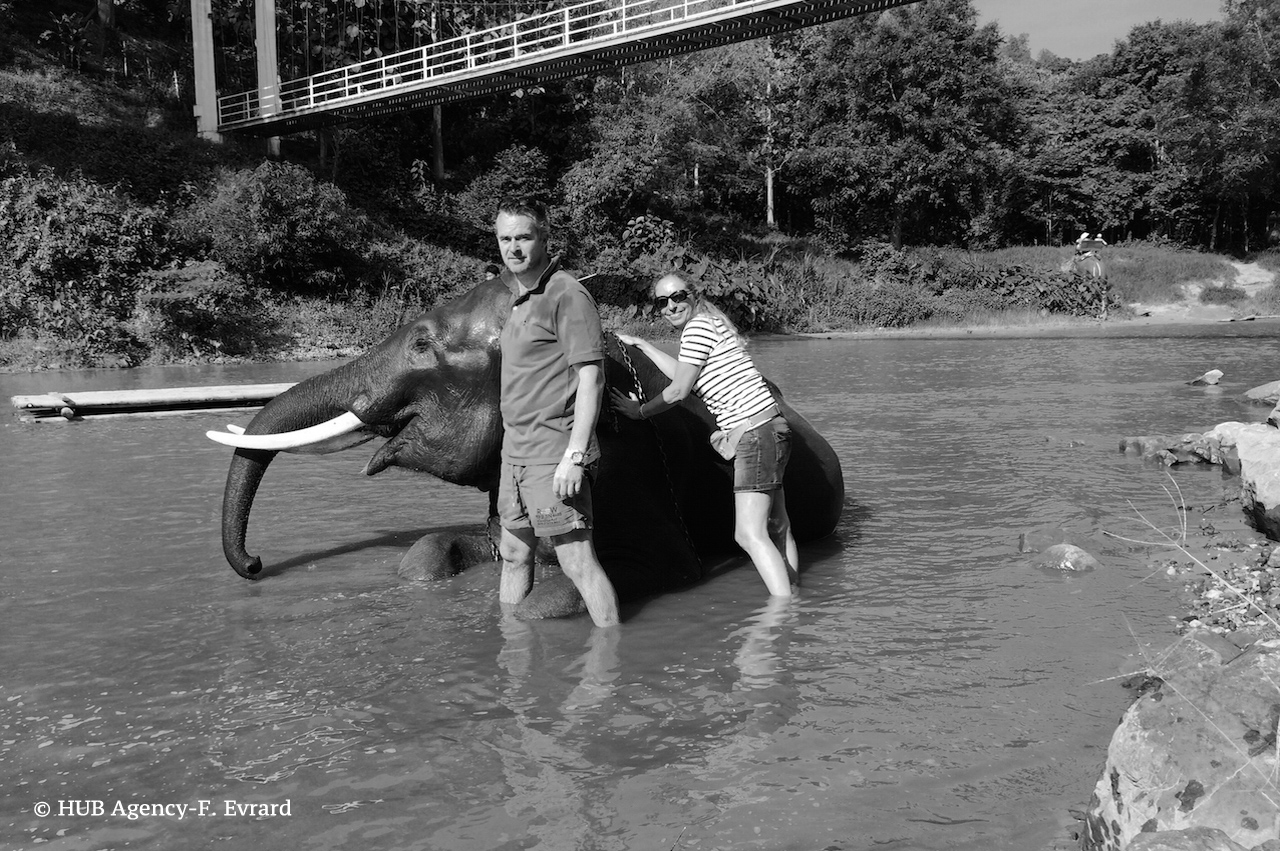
{"x":677,"y":297}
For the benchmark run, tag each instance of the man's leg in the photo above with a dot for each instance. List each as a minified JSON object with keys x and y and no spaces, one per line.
{"x":577,"y":555}
{"x":516,"y":548}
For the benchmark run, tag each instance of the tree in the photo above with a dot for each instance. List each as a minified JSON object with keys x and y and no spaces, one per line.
{"x":905,"y":119}
{"x":1219,"y":122}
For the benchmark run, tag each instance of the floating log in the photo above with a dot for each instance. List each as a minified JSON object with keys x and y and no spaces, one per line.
{"x":165,"y":400}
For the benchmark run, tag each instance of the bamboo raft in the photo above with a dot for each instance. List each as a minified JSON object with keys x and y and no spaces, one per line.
{"x":61,"y":407}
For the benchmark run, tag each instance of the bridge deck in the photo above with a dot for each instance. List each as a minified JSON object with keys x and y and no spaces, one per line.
{"x":568,"y":42}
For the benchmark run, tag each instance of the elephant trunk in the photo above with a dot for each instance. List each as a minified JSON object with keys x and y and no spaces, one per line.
{"x":243,"y":478}
{"x":312,"y":401}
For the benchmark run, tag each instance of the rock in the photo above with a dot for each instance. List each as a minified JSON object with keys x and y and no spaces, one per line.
{"x":1067,"y":557}
{"x":1258,"y":448}
{"x":1210,"y":377}
{"x":1273,"y":418}
{"x":1265,"y":394}
{"x":1212,"y":447}
{"x":1198,"y":751}
{"x":1195,"y":839}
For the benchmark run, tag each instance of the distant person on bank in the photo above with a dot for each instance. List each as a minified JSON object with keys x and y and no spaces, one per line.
{"x":713,"y":364}
{"x":1086,"y":243}
{"x":552,"y":386}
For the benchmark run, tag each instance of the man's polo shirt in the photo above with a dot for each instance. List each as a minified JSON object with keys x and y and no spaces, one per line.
{"x":552,"y":328}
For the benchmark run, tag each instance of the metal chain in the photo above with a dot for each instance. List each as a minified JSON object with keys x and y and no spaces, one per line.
{"x":662,"y":451}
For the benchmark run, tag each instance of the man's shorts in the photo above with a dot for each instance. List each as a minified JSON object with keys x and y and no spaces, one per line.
{"x":526,"y":499}
{"x":762,"y":456}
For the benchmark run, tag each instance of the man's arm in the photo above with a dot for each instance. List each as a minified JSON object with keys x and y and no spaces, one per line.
{"x":586,"y":407}
{"x":586,"y":410}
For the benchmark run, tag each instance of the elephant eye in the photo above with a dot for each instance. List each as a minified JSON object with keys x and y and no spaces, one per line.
{"x":422,"y":345}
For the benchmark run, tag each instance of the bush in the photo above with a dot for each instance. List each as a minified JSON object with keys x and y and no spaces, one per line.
{"x":1225,"y":294}
{"x":518,"y":171}
{"x":743,"y":289}
{"x":197,"y":309}
{"x":279,"y":227}
{"x":415,"y":276}
{"x":1267,"y":301}
{"x":71,"y":253}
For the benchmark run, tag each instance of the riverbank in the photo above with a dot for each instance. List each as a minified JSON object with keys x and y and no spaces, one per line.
{"x":1253,"y":279}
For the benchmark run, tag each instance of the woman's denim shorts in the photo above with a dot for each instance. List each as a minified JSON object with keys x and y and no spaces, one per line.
{"x":762,"y":457}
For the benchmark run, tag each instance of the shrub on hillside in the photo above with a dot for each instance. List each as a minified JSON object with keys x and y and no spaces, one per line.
{"x":1267,"y":301}
{"x":414,"y":277}
{"x":279,"y":227}
{"x":71,"y":253}
{"x":519,"y":171}
{"x":743,"y":289}
{"x":194,"y":310}
{"x":1225,"y":294}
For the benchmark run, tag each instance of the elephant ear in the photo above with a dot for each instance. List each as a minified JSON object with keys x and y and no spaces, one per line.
{"x":640,"y":533}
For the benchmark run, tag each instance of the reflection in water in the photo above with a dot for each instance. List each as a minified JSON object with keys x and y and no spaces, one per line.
{"x":545,"y":771}
{"x":759,"y":703}
{"x":928,"y":690}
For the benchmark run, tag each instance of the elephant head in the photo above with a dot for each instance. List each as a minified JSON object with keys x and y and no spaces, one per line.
{"x":430,"y":389}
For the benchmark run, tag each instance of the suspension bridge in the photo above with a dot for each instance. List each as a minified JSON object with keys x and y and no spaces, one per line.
{"x":577,"y":40}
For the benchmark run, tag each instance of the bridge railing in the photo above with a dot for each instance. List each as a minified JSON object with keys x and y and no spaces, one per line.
{"x":594,"y":20}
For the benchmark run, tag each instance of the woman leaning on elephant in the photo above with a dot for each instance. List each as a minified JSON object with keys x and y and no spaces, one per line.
{"x":713,"y":364}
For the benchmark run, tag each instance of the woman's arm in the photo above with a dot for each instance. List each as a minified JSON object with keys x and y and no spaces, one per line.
{"x":661,"y":359}
{"x":686,"y":375}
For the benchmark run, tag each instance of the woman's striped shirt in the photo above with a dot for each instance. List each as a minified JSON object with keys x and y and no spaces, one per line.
{"x":729,"y":384}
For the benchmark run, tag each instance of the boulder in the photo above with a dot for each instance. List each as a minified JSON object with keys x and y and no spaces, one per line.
{"x":1054,"y":549}
{"x":1250,"y":449}
{"x":1211,"y":447}
{"x":1066,"y":557}
{"x":1211,"y":377}
{"x":1265,"y":394}
{"x":1258,"y":448}
{"x":1198,"y":750}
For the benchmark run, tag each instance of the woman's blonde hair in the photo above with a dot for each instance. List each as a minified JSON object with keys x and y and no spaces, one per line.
{"x":703,"y":306}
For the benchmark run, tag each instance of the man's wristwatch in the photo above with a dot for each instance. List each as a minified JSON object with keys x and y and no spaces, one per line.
{"x":577,"y":458}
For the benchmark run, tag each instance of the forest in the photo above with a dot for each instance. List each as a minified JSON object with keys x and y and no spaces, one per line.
{"x":873,"y":171}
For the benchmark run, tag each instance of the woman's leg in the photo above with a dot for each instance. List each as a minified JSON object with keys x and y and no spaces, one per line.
{"x":780,"y":534}
{"x":752,"y":510}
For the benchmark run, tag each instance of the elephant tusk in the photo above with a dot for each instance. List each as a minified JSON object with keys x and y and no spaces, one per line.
{"x":336,"y":427}
{"x":235,"y":429}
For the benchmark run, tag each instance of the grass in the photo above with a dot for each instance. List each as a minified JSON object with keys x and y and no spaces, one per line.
{"x":1269,"y":260}
{"x":1138,"y":271}
{"x":1267,"y":301}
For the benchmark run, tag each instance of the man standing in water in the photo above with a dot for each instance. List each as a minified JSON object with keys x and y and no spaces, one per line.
{"x":552,"y":385}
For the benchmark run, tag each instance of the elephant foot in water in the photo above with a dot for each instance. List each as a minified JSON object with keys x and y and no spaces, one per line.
{"x":553,"y":596}
{"x":440,"y":555}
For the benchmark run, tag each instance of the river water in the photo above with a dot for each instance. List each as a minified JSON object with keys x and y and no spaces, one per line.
{"x":930,"y":689}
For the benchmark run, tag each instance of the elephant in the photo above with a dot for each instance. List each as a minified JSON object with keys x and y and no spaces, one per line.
{"x":662,"y":496}
{"x":1090,"y":265}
